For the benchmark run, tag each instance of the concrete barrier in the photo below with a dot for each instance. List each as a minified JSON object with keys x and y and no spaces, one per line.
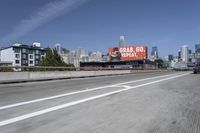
{"x":48,"y":75}
{"x":13,"y":76}
{"x":8,"y":77}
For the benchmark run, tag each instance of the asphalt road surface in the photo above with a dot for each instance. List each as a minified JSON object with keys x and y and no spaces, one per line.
{"x":162,"y":102}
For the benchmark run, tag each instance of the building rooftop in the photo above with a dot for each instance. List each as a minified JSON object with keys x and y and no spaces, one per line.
{"x":24,"y":46}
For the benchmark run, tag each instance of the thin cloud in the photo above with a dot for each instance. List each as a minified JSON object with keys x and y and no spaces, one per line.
{"x":45,"y":14}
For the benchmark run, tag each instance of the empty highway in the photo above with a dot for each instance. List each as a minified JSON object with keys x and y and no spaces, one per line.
{"x":160,"y":102}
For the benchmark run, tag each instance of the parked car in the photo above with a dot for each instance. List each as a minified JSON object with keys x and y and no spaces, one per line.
{"x":196,"y":68}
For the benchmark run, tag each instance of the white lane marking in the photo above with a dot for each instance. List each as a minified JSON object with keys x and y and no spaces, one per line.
{"x":48,"y":110}
{"x":77,"y":92}
{"x":124,"y":86}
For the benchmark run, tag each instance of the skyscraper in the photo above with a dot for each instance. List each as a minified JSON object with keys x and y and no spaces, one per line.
{"x":154,"y":53}
{"x":170,"y":57}
{"x":197,"y":48}
{"x":179,"y":54}
{"x":79,"y":52}
{"x":122,"y":41}
{"x":57,"y":46}
{"x":185,"y":53}
{"x":197,"y":52}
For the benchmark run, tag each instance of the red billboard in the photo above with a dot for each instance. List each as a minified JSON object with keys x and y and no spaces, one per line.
{"x":128,"y":53}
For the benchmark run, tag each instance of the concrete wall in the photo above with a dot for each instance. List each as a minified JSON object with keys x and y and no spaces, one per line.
{"x":28,"y":76}
{"x":13,"y":76}
{"x":8,"y":55}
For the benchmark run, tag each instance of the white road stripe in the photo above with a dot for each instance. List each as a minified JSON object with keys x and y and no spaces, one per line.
{"x":77,"y":92}
{"x":48,"y":110}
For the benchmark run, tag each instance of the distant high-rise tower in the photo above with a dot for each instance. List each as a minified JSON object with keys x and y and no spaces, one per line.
{"x":79,"y":52}
{"x":197,"y":48}
{"x":154,"y":53}
{"x":185,"y":53}
{"x":57,"y":46}
{"x":179,"y":54}
{"x":122,"y":41}
{"x":170,"y":57}
{"x":197,"y":52}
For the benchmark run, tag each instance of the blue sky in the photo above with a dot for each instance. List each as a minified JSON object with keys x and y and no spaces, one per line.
{"x":97,"y":24}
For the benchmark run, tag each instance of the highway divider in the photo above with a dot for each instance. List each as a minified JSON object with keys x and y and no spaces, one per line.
{"x":13,"y":77}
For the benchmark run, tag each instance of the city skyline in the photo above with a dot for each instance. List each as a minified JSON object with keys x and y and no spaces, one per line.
{"x":59,"y":46}
{"x":96,"y":25}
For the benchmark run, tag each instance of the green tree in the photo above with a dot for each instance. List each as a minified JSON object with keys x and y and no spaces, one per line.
{"x":53,"y":59}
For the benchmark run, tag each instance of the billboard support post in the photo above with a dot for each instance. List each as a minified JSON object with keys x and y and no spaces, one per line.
{"x":144,"y":67}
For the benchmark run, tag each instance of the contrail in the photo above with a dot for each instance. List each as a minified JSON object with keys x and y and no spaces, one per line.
{"x":45,"y":14}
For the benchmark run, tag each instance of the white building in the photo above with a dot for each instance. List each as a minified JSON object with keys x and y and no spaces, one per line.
{"x":71,"y":57}
{"x":57,"y":46}
{"x":185,"y":53}
{"x":95,"y":57}
{"x":23,"y":55}
{"x":79,"y":52}
{"x":77,"y":56}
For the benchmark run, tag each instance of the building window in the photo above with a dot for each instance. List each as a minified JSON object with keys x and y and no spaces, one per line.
{"x":30,"y":56}
{"x":37,"y":52}
{"x":24,"y":61}
{"x":17,"y":55}
{"x":36,"y":56}
{"x":36,"y":62}
{"x":17,"y":61}
{"x":30,"y":51}
{"x":31,"y":62}
{"x":42,"y":57}
{"x":24,"y":56}
{"x":42,"y":52}
{"x":25,"y":50}
{"x":16,"y":50}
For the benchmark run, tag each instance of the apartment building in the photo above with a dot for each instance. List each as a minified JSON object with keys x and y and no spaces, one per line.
{"x":23,"y":55}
